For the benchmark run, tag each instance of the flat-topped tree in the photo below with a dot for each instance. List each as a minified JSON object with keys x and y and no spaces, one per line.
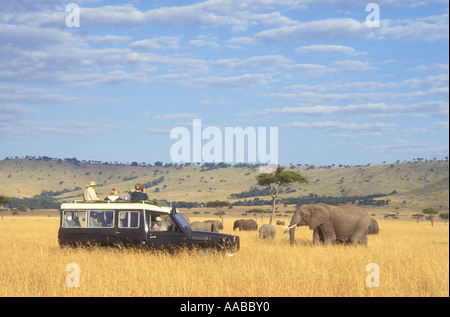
{"x":4,"y":200}
{"x":218,"y":204}
{"x":444,"y":216}
{"x":417,"y":217}
{"x":430,"y":212}
{"x":275,"y":181}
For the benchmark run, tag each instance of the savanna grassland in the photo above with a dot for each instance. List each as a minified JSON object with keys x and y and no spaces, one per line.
{"x":413,"y":260}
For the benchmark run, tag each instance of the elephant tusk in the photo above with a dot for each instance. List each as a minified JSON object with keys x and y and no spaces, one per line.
{"x":289,"y":227}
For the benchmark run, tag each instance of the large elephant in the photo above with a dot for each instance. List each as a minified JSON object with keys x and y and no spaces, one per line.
{"x":267,"y":231}
{"x":202,"y":226}
{"x":245,"y":225}
{"x":332,"y":223}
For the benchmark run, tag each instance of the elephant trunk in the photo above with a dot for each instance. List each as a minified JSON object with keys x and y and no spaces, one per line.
{"x":292,"y":234}
{"x":295,"y":222}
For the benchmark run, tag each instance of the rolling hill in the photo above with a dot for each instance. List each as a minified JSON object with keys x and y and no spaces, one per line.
{"x":411,"y":186}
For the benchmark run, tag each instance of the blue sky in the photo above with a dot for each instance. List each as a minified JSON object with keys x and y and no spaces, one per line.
{"x":112,"y":89}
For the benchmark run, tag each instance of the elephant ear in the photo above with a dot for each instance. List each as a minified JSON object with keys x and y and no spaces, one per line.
{"x":319,"y":215}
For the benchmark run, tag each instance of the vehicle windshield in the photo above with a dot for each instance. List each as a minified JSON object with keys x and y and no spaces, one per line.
{"x":182,"y":222}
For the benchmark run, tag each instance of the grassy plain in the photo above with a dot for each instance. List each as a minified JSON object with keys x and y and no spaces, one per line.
{"x":413,"y":260}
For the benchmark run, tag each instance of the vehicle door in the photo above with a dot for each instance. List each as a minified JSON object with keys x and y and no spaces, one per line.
{"x":131,"y":227}
{"x":163,"y":232}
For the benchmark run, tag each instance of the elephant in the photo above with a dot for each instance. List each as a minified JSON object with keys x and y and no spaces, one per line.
{"x":332,"y":224}
{"x":202,"y":226}
{"x":267,"y":231}
{"x":373,"y":227}
{"x":245,"y":225}
{"x":218,"y":225}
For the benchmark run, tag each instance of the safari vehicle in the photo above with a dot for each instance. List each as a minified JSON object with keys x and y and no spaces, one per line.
{"x":135,"y":224}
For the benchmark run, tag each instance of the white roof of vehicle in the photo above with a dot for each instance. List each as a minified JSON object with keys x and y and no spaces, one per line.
{"x":102,"y":205}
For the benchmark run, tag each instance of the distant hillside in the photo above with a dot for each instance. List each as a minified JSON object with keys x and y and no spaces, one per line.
{"x":410,"y":185}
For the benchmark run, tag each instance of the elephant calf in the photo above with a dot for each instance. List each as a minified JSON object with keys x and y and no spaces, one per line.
{"x":267,"y":231}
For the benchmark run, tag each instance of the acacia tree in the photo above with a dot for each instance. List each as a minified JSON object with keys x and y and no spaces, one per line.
{"x":218,"y":204}
{"x":444,"y":216}
{"x":430,"y":212}
{"x":275,"y":181}
{"x":4,"y":200}
{"x":417,"y":217}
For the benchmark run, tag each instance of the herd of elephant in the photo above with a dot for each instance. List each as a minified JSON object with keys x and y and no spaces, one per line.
{"x":330,"y":224}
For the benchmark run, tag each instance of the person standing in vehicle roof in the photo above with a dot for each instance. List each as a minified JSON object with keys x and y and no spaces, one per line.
{"x":139,"y":193}
{"x":89,"y":193}
{"x":113,"y":195}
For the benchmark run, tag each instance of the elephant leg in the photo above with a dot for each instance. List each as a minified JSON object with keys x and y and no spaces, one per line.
{"x":317,"y":236}
{"x":358,"y":237}
{"x":329,"y":235}
{"x":363,"y":240}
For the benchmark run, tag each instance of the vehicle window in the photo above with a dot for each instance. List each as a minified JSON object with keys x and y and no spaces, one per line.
{"x":74,"y":219}
{"x":181,"y":221}
{"x":101,"y":219}
{"x":129,"y":219}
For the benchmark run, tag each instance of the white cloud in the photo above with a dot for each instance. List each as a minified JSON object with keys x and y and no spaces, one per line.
{"x":313,"y":30}
{"x":312,"y":69}
{"x":378,"y":110}
{"x":246,"y":80}
{"x":429,"y":29}
{"x":162,"y":42}
{"x":410,"y":148}
{"x":352,"y":65}
{"x":23,"y":128}
{"x":329,"y":49}
{"x":44,"y":96}
{"x":343,"y":126}
{"x":267,"y":61}
{"x":204,"y":41}
{"x":175,"y":116}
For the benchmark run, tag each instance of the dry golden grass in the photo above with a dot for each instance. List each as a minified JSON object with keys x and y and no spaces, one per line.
{"x":413,"y":260}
